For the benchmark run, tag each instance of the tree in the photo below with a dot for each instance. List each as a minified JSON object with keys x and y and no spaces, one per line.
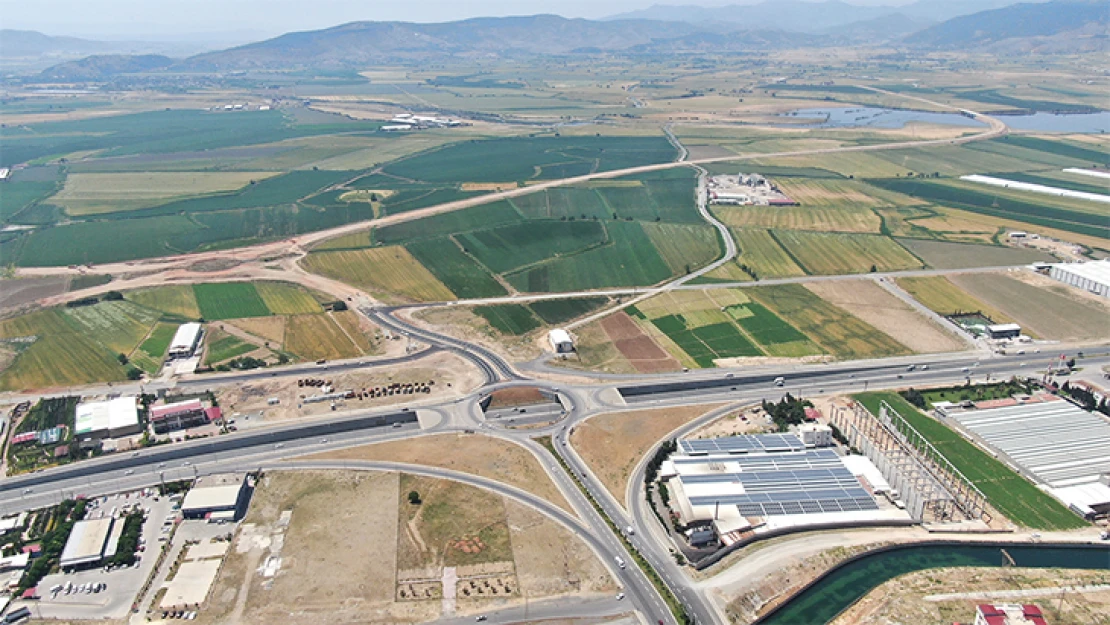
{"x":414,"y":498}
{"x":339,"y":306}
{"x":874,"y":268}
{"x":915,"y":397}
{"x":122,"y":358}
{"x":134,"y":373}
{"x":113,"y":296}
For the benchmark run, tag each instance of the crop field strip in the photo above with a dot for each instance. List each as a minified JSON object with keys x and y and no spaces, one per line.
{"x":1009,"y":493}
{"x":940,"y":295}
{"x":229,"y":300}
{"x":381,"y":271}
{"x":825,"y":253}
{"x":1051,"y":310}
{"x":946,"y":255}
{"x":318,"y":336}
{"x":456,"y":270}
{"x":94,"y":194}
{"x":225,"y":348}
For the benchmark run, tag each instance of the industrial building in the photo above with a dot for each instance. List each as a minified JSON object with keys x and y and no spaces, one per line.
{"x":1093,"y":276}
{"x":89,"y":543}
{"x":1003,"y":331}
{"x":185,"y":340}
{"x":764,"y":482}
{"x":217,"y":497}
{"x":1008,"y":614}
{"x":560,"y":341}
{"x":107,"y":419}
{"x":1053,"y":442}
{"x":178,"y":416}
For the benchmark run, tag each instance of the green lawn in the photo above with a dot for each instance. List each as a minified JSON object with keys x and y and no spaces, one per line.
{"x":1009,"y":493}
{"x":229,"y":300}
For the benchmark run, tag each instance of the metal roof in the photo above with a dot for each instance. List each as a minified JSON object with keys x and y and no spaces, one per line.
{"x":113,"y":414}
{"x":214,"y":492}
{"x":743,"y":444}
{"x":87,"y":542}
{"x":1058,"y":442}
{"x":1096,"y":270}
{"x":185,"y":337}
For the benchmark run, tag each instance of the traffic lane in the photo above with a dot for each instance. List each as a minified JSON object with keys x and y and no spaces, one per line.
{"x":305,"y":369}
{"x":174,"y":452}
{"x":562,"y":608}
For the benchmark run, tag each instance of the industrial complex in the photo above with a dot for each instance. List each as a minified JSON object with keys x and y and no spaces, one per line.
{"x":1091,"y":276}
{"x":108,"y":419}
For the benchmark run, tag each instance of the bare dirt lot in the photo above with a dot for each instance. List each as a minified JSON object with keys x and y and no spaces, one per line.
{"x":484,"y":456}
{"x":453,"y":377}
{"x":919,"y":597}
{"x":325,"y":547}
{"x":613,"y":443}
{"x":637,"y":347}
{"x":873,"y":304}
{"x":749,"y":421}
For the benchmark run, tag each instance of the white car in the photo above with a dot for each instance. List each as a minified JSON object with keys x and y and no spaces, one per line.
{"x":620,"y":596}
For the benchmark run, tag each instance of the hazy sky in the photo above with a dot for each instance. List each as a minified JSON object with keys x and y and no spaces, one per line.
{"x":249,"y":19}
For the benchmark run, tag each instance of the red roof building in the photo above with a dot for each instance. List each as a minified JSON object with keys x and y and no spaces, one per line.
{"x":213,"y":413}
{"x":812,"y":414}
{"x":1008,"y":614}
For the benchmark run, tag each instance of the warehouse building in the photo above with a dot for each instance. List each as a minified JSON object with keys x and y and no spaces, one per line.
{"x":107,"y":419}
{"x":89,"y":543}
{"x":185,"y":340}
{"x":560,"y":341}
{"x":1093,"y":276}
{"x":1004,"y":331}
{"x":217,"y":497}
{"x":178,"y":416}
{"x":765,"y":482}
{"x":1054,"y":443}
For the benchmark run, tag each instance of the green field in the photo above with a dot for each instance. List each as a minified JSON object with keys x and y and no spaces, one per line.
{"x":826,"y":253}
{"x":178,"y":300}
{"x":389,"y":272}
{"x":629,"y":259}
{"x":557,"y":311}
{"x":159,"y":341}
{"x":229,"y":300}
{"x":455,"y":222}
{"x":1041,"y":211}
{"x":684,"y":247}
{"x":59,"y":356}
{"x":509,"y":319}
{"x":705,"y":343}
{"x":520,"y":159}
{"x":775,"y":335}
{"x":458,"y":272}
{"x":508,"y":248}
{"x":829,"y":326}
{"x":120,"y":326}
{"x":762,"y":253}
{"x":226,"y":348}
{"x":1009,"y":493}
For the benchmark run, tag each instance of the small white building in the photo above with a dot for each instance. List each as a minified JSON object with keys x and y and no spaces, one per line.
{"x":185,"y":340}
{"x":1093,"y":276}
{"x":560,"y":341}
{"x":1004,"y":331}
{"x":816,"y":434}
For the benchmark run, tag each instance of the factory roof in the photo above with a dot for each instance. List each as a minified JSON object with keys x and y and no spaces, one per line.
{"x":1095,"y":270}
{"x":185,"y":338}
{"x":1004,"y":327}
{"x":559,"y":335}
{"x":214,"y":492}
{"x":87,"y":542}
{"x":1056,"y":441}
{"x":743,"y":444}
{"x":106,"y":415}
{"x":158,"y":413}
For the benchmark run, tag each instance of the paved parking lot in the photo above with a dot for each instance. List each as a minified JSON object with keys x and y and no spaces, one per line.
{"x":115,"y":601}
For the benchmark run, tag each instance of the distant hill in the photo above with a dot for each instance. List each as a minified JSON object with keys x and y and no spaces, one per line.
{"x":885,"y":28}
{"x":361,"y":43}
{"x":100,"y":67}
{"x":27,"y":43}
{"x":808,"y":17}
{"x":1067,"y":19}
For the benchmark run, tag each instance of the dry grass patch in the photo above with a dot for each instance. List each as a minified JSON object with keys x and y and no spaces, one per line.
{"x":613,"y":443}
{"x":92,"y":194}
{"x":549,"y":559}
{"x":315,"y":337}
{"x":484,"y":456}
{"x":389,"y":271}
{"x":941,"y":296}
{"x":269,"y":328}
{"x":1049,"y":309}
{"x":875,"y":305}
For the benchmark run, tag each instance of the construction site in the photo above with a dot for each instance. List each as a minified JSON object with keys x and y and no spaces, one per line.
{"x":746,"y":190}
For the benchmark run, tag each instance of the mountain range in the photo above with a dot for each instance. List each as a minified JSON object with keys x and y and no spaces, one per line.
{"x":1059,"y":25}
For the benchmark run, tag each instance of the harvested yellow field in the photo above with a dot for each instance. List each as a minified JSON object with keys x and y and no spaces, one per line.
{"x":729,"y":272}
{"x":177,"y":300}
{"x":827,"y":192}
{"x":842,"y":218}
{"x":357,"y":329}
{"x":316,"y":337}
{"x":287,"y":299}
{"x":271,"y":329}
{"x":380,"y":270}
{"x":484,"y":456}
{"x":833,"y":253}
{"x":613,"y":443}
{"x":354,"y":240}
{"x":763,"y":254}
{"x":488,"y":186}
{"x":92,"y":194}
{"x":939,"y":295}
{"x":877,"y":306}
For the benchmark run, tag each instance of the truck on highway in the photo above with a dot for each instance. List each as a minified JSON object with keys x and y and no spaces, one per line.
{"x":779,"y":381}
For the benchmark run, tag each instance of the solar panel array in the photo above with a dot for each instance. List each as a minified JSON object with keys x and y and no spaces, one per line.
{"x":813,"y":482}
{"x":1058,"y":442}
{"x":743,"y":444}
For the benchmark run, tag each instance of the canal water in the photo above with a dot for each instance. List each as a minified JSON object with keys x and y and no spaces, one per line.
{"x":843,"y":586}
{"x":871,"y":117}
